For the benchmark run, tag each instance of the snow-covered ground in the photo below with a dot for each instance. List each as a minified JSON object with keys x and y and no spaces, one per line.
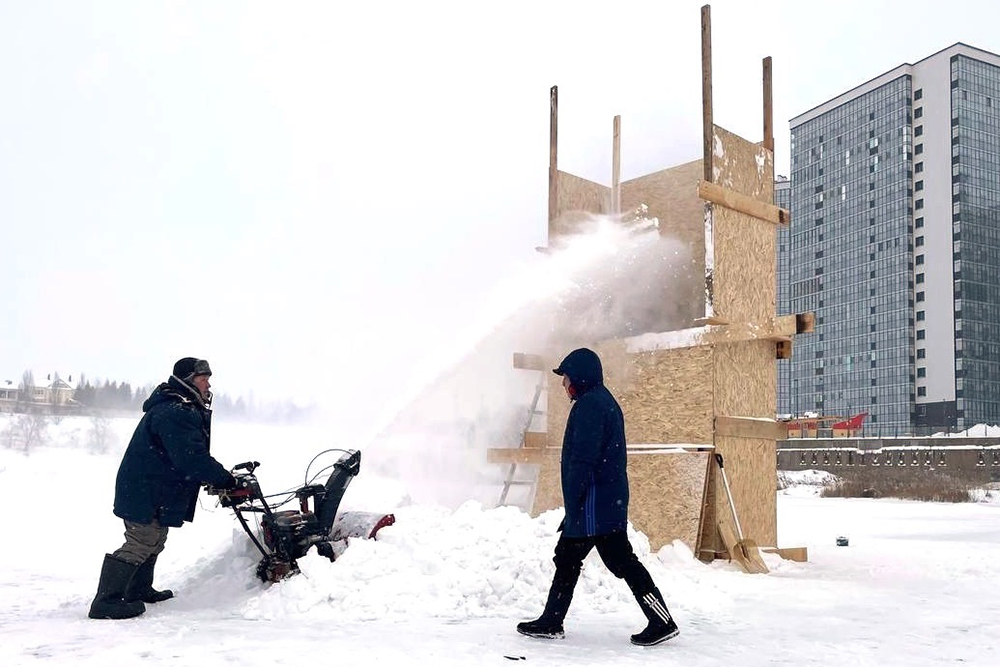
{"x":445,"y":586}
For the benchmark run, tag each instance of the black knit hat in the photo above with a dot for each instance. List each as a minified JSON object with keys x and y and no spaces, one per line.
{"x":188,"y":367}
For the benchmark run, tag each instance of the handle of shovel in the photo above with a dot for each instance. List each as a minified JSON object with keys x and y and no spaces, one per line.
{"x":718,"y":459}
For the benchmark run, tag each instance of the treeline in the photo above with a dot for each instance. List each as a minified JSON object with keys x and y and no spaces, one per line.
{"x":111,"y":395}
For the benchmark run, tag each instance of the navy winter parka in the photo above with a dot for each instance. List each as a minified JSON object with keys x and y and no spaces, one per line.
{"x":167,"y":459}
{"x":593,"y":465}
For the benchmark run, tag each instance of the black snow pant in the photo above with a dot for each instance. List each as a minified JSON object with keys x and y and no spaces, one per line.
{"x":617,"y":554}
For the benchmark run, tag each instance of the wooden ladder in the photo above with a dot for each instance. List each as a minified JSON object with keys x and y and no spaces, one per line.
{"x":509,"y":479}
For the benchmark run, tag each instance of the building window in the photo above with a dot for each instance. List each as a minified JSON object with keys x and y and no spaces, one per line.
{"x":919,"y":168}
{"x":921,"y":353}
{"x":918,"y":93}
{"x":921,"y":334}
{"x":920,"y":296}
{"x":919,"y":185}
{"x":920,"y":259}
{"x":921,"y":372}
{"x":920,"y":316}
{"x":919,"y":222}
{"x":918,"y":130}
{"x":920,"y":241}
{"x":918,"y":112}
{"x":921,"y":391}
{"x":920,"y":278}
{"x":918,"y":149}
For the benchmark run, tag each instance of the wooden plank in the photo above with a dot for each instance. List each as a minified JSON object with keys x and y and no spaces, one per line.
{"x":783,"y":349}
{"x":779,"y":328}
{"x":514,"y":455}
{"x":750,"y":427}
{"x":797,"y":554}
{"x":805,"y":322}
{"x":535,"y":439}
{"x":529,"y":362}
{"x":553,"y":153}
{"x":616,"y":167}
{"x":768,"y":110}
{"x":744,"y":204}
{"x":706,"y":90}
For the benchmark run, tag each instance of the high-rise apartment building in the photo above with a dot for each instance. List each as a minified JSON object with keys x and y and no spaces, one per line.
{"x":895,"y":246}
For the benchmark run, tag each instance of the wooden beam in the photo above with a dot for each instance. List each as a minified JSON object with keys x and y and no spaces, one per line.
{"x":738,"y":201}
{"x":768,"y":111}
{"x":553,"y":154}
{"x":750,"y":427}
{"x":528,"y":362}
{"x":616,"y":167}
{"x":708,"y":128}
{"x":805,"y":322}
{"x":779,"y":328}
{"x":515,"y":455}
{"x":783,"y":349}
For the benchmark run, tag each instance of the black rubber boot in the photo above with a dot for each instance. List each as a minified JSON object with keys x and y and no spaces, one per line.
{"x":661,"y":624}
{"x":550,"y":624}
{"x":141,"y":588}
{"x":116,"y":575}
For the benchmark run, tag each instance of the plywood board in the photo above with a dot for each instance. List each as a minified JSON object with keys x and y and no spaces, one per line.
{"x":666,"y":495}
{"x":671,"y":196}
{"x":744,"y":281}
{"x":576,"y":200}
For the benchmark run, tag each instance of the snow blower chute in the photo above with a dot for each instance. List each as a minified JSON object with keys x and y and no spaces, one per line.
{"x":289,"y":534}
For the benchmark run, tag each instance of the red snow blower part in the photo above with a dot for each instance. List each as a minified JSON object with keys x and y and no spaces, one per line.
{"x":287,"y":535}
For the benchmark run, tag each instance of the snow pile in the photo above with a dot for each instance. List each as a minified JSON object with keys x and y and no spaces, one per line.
{"x":809,"y":478}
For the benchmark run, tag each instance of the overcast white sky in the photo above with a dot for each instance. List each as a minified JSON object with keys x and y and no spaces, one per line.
{"x":311,"y":195}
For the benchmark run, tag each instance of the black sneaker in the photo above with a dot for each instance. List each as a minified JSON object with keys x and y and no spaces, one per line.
{"x":656,"y":633}
{"x":541,"y":629}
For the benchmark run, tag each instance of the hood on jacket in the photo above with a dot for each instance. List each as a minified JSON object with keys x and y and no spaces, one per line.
{"x":583,"y":368}
{"x":173,"y":390}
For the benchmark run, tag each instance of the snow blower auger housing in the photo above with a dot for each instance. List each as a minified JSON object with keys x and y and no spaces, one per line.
{"x":289,"y":534}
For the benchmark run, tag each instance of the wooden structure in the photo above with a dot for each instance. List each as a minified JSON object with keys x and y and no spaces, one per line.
{"x":710,"y":386}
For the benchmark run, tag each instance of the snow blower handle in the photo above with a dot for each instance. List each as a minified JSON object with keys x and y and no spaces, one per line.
{"x":249,"y":466}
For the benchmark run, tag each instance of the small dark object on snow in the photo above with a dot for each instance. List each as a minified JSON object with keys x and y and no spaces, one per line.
{"x":841,"y":541}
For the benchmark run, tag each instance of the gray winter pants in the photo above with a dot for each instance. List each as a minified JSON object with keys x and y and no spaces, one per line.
{"x":142,"y":541}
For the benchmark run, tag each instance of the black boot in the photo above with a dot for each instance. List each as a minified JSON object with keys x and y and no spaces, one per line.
{"x":661,"y":624}
{"x":142,"y":585}
{"x":116,"y":575}
{"x":550,"y":624}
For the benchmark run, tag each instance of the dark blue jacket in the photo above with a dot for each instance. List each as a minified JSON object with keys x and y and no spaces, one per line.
{"x":167,"y":459}
{"x":593,"y":466}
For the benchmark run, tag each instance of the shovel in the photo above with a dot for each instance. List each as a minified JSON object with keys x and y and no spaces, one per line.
{"x":743,"y":551}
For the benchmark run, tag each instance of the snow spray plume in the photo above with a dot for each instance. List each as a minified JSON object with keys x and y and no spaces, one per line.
{"x":609,"y":280}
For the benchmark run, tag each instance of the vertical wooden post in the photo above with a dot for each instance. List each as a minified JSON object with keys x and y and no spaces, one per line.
{"x":616,"y":167}
{"x":768,"y":111}
{"x":553,"y":156}
{"x":706,"y":88}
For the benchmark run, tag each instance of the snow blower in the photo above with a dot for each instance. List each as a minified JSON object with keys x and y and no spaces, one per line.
{"x":287,"y":535}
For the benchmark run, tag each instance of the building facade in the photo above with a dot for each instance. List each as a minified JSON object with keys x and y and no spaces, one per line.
{"x":895,"y":246}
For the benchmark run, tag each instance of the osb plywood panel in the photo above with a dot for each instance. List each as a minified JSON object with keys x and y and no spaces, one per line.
{"x":671,"y":196}
{"x":744,"y":248}
{"x":753,"y":491}
{"x":577,"y":197}
{"x":666,"y":495}
{"x":746,"y":386}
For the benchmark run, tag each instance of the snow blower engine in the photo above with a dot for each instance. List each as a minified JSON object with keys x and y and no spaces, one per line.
{"x":288,"y":535}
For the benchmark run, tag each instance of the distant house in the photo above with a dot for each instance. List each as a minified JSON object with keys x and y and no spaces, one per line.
{"x":48,"y":389}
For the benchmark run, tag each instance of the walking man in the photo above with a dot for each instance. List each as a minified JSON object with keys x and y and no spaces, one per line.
{"x":164,"y":466}
{"x":595,"y":495}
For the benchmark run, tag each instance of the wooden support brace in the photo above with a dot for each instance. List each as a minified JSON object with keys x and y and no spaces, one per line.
{"x":743,"y":203}
{"x":750,"y":427}
{"x":528,"y":362}
{"x":797,"y":554}
{"x":514,"y":455}
{"x":783,"y":349}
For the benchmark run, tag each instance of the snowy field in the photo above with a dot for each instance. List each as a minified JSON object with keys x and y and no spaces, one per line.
{"x":445,"y":586}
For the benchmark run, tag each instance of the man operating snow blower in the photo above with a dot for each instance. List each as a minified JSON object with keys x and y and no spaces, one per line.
{"x":164,"y":466}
